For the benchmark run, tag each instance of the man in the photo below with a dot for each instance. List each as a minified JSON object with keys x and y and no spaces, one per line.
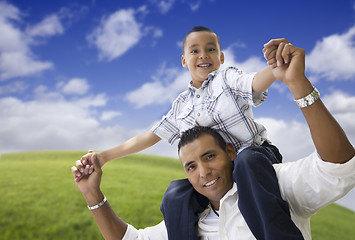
{"x":307,"y":185}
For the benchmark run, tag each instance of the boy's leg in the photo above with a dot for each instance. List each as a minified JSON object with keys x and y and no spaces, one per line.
{"x":260,"y":201}
{"x":180,"y":206}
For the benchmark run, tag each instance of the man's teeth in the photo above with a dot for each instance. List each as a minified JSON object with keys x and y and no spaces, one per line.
{"x":210,"y":183}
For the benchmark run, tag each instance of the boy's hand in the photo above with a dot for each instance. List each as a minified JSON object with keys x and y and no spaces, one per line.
{"x":85,"y":165}
{"x":91,"y":181}
{"x":286,"y":60}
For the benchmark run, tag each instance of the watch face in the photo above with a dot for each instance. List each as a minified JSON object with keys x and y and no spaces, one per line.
{"x":308,"y":100}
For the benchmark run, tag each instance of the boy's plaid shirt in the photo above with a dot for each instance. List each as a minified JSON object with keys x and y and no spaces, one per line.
{"x":224,"y":102}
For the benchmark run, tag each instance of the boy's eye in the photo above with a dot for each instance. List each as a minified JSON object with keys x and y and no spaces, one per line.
{"x":212,"y":49}
{"x":194,"y":51}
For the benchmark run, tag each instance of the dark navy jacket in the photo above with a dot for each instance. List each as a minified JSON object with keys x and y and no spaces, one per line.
{"x":180,"y":227}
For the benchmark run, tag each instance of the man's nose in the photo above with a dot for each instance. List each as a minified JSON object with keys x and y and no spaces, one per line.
{"x":204,"y":170}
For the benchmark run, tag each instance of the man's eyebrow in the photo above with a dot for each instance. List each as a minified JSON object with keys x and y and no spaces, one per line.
{"x":188,"y":164}
{"x":207,"y":153}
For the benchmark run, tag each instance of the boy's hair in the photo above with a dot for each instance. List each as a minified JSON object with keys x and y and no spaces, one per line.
{"x":193,"y":133}
{"x":199,"y":29}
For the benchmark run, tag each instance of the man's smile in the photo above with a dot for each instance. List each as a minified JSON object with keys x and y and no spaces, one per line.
{"x":211,"y":183}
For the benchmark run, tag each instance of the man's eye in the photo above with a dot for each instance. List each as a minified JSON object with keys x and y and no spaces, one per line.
{"x":190,"y":168}
{"x":210,"y":156}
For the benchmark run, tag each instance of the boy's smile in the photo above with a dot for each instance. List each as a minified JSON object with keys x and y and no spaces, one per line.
{"x":202,"y":55}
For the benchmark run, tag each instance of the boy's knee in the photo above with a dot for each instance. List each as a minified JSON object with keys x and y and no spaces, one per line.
{"x":249,"y":156}
{"x":250,"y":159}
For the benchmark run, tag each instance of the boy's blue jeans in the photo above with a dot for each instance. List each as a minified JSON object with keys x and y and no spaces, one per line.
{"x":260,"y":202}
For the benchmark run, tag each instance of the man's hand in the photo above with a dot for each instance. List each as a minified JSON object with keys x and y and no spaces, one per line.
{"x":89,"y":182}
{"x":286,"y":60}
{"x":85,"y":165}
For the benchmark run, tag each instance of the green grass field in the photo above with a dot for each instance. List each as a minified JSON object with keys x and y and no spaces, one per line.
{"x":39,"y":200}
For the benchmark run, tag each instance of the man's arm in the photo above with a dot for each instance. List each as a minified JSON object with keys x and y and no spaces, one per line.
{"x":110,"y":225}
{"x":288,"y":65}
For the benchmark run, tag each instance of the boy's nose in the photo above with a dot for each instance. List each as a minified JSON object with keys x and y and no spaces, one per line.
{"x":203,"y":55}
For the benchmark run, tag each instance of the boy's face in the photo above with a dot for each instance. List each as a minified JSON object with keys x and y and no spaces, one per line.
{"x":208,"y":167}
{"x":202,"y":55}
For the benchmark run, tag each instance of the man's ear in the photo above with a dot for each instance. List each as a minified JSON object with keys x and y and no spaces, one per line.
{"x":183,"y":61}
{"x":231,"y":151}
{"x":222,"y":57}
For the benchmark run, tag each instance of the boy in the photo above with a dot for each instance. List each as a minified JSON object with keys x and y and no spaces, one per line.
{"x":219,"y":99}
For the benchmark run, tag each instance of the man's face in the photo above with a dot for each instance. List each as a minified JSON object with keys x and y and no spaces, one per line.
{"x":208,"y":167}
{"x":202,"y":55}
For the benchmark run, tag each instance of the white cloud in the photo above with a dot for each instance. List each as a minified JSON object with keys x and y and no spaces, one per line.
{"x":291,"y":137}
{"x":108,"y":115}
{"x":20,"y":63}
{"x":252,"y":64}
{"x":342,"y":106}
{"x":51,"y":25}
{"x":77,"y":86}
{"x":16,"y":57}
{"x":165,"y":5}
{"x":14,"y":87}
{"x":52,"y":121}
{"x":157,"y":33}
{"x":116,"y":34}
{"x":194,"y":6}
{"x":167,"y":84}
{"x":333,"y":57}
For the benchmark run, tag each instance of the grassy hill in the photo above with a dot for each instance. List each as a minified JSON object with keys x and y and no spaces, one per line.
{"x":39,"y":200}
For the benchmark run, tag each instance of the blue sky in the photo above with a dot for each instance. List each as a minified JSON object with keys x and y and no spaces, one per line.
{"x":91,"y":74}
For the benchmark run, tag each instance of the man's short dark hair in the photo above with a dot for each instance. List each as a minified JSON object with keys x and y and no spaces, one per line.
{"x":193,"y":133}
{"x":199,"y":29}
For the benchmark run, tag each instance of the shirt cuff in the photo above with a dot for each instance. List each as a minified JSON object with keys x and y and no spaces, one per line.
{"x":259,"y":98}
{"x":131,"y":233}
{"x":164,"y":130}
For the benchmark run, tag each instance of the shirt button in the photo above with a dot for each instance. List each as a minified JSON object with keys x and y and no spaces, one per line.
{"x":198,"y":96}
{"x":198,"y":114}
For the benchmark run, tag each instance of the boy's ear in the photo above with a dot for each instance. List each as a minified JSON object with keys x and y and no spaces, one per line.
{"x":183,"y":61}
{"x":222,"y":57}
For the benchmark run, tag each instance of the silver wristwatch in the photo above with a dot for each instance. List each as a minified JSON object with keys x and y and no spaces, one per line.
{"x":308,"y":100}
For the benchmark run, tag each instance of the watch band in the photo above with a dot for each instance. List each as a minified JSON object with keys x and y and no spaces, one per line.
{"x":308,"y":100}
{"x":98,"y":205}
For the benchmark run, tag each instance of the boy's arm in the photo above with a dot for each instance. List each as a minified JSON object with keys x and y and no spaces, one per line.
{"x":265,"y":78}
{"x":133,"y":145}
